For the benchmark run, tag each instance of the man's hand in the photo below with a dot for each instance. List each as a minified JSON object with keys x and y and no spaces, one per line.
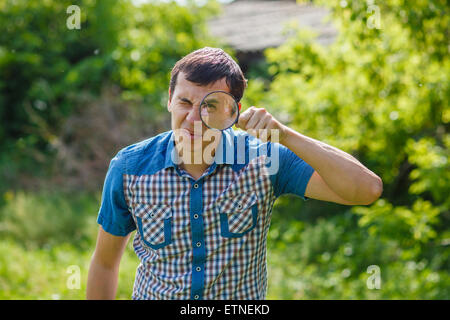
{"x":260,"y":123}
{"x":339,"y":177}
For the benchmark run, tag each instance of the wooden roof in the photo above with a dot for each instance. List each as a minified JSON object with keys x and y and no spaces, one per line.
{"x":254,"y":25}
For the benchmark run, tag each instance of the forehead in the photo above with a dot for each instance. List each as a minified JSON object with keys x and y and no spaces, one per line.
{"x":185,"y":87}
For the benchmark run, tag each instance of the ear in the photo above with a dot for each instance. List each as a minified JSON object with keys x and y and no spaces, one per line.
{"x":168,"y":101}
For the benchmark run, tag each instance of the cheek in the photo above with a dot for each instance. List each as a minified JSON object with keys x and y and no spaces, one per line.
{"x":178,"y":116}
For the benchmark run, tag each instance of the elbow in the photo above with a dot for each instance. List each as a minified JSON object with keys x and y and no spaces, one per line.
{"x":376,"y":190}
{"x":372,"y":192}
{"x":368,"y":193}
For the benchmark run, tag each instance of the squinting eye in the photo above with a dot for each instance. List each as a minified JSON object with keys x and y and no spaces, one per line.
{"x":209,"y":106}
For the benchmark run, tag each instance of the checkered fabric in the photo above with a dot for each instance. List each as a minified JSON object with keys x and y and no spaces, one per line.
{"x":204,"y":238}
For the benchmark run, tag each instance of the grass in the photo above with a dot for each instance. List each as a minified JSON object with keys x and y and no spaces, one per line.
{"x":43,"y":236}
{"x":49,"y":274}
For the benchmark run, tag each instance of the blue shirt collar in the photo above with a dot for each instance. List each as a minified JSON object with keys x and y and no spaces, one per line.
{"x":224,"y":154}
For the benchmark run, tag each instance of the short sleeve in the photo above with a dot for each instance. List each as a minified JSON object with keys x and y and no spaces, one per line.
{"x":114,"y":216}
{"x":293,"y":173}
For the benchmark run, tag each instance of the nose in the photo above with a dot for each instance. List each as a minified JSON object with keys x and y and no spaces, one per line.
{"x":194,"y":114}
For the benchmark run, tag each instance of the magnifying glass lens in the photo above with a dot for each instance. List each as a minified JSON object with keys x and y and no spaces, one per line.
{"x":219,"y":110}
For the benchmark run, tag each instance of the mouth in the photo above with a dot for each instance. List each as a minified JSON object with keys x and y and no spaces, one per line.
{"x":192,"y":134}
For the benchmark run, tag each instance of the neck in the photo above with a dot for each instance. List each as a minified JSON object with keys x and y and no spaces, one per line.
{"x":195,"y":168}
{"x":197,"y":161}
{"x":196,"y":158}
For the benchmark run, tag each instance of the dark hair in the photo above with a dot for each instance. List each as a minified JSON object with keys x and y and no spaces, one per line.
{"x":208,"y":65}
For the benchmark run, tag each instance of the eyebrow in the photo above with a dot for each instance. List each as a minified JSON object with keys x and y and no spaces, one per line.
{"x":185,"y":100}
{"x":212,"y":100}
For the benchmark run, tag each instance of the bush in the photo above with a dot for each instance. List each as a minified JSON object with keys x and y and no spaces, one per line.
{"x":380,"y":94}
{"x":48,"y":219}
{"x":330,"y":259}
{"x":42,"y":236}
{"x":46,"y":273}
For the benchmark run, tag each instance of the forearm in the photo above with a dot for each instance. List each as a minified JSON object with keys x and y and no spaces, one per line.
{"x":102,"y":282}
{"x":344,"y":174}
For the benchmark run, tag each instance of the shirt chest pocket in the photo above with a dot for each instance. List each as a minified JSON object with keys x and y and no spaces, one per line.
{"x":238,"y":215}
{"x":154,"y":222}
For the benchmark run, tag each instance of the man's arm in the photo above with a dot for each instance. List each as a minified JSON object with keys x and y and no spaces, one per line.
{"x":338,"y":176}
{"x":104,"y":268}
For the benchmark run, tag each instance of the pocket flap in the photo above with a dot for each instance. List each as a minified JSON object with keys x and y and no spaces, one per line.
{"x":153,"y":211}
{"x":237,"y":204}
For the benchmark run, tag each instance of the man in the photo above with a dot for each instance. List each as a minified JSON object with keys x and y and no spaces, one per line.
{"x":202,"y":222}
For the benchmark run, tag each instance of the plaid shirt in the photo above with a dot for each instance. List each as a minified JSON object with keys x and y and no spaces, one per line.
{"x":204,"y":238}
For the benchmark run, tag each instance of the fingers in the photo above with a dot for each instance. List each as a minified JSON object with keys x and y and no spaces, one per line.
{"x":255,"y":121}
{"x":255,"y":118}
{"x":250,"y":118}
{"x":260,"y":124}
{"x":263,"y":122}
{"x":245,"y":117}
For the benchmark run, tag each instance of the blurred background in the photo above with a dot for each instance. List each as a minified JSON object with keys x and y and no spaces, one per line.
{"x":368,"y":77}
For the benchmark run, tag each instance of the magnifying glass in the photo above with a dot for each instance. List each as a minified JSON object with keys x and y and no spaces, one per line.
{"x":219,"y":110}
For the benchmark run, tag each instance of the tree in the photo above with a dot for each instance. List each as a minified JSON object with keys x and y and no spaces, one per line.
{"x":47,"y":68}
{"x":381,"y":93}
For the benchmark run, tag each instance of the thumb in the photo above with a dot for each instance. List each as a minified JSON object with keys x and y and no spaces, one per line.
{"x":243,"y":118}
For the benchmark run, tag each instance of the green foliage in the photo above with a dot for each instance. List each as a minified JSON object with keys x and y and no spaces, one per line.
{"x":381,"y":95}
{"x":330,"y":260}
{"x":45,"y":273}
{"x":46,"y":219}
{"x":432,"y":168}
{"x":400,"y":222}
{"x":157,"y":35}
{"x":323,"y":260}
{"x":41,"y":236}
{"x":44,"y":66}
{"x":47,"y":67}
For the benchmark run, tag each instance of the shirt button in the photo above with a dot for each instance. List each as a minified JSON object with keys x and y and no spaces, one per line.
{"x":195,"y":216}
{"x":198,"y":269}
{"x":199,"y":244}
{"x":196,"y":297}
{"x":195,"y":186}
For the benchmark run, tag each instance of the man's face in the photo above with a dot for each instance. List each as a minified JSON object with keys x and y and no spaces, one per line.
{"x":184,"y":105}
